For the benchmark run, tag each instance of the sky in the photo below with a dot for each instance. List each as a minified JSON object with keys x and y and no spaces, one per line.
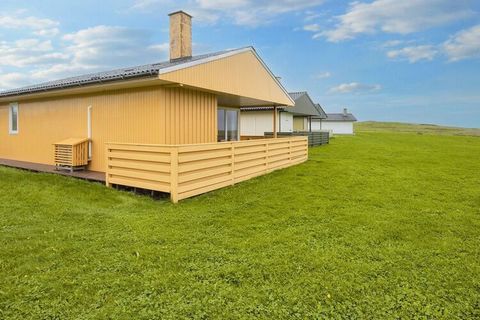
{"x":385,"y":60}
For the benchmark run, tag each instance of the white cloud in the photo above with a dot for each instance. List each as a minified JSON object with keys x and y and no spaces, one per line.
{"x":394,"y":16}
{"x":312,"y":15}
{"x":28,"y":52}
{"x":312,"y":27}
{"x":47,"y":32}
{"x":322,"y":75}
{"x":105,"y":47}
{"x":462,"y":45}
{"x":355,"y":87}
{"x":146,"y":4}
{"x":39,"y":26}
{"x":250,"y":13}
{"x":414,"y":53}
{"x":88,"y":50}
{"x":13,"y":80}
{"x":392,"y":43}
{"x":465,"y":44}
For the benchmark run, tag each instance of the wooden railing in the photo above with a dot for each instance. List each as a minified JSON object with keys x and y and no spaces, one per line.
{"x":188,"y":170}
{"x":315,"y":138}
{"x":71,"y":154}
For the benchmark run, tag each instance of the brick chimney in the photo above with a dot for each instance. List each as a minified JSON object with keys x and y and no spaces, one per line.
{"x":180,"y":35}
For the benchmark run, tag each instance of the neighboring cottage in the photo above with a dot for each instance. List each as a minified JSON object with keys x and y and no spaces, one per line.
{"x":339,"y":123}
{"x":304,"y":116}
{"x":154,"y":126}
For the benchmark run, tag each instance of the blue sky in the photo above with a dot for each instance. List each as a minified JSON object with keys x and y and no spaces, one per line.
{"x":389,"y":60}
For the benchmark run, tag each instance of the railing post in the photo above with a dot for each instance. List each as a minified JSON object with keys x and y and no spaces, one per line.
{"x":267,"y":157}
{"x":107,"y":166}
{"x":232,"y":172}
{"x":306,"y":150}
{"x":290,"y":149}
{"x":174,"y":174}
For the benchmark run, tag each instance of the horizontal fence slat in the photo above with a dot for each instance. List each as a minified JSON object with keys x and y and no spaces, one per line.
{"x":196,"y":192}
{"x":138,"y":183}
{"x":251,"y":163}
{"x":200,"y":174}
{"x":248,"y":149}
{"x":183,"y":187}
{"x":203,"y":155}
{"x":141,"y":174}
{"x":142,"y":148}
{"x":143,"y":165}
{"x":252,"y":156}
{"x":250,"y":170}
{"x":140,"y":156}
{"x":204,"y":164}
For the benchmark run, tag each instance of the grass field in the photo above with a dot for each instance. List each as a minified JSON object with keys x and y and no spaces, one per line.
{"x":381,"y":225}
{"x":399,"y":127}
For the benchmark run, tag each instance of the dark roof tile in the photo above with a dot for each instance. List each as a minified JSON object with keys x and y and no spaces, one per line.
{"x":340,"y":117}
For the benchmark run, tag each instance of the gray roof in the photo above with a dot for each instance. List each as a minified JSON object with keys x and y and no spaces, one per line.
{"x":340,"y":117}
{"x":304,"y":106}
{"x":296,"y":95}
{"x":148,"y":70}
{"x":261,"y":108}
{"x":321,"y":112}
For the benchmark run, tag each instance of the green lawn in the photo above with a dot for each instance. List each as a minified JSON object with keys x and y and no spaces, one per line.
{"x":381,"y":225}
{"x":372,"y":126}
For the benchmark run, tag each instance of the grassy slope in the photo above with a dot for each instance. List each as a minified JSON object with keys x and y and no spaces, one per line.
{"x":372,"y":126}
{"x":379,"y":225}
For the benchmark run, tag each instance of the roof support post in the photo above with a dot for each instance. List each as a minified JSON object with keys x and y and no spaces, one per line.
{"x":274,"y":122}
{"x":310,"y":125}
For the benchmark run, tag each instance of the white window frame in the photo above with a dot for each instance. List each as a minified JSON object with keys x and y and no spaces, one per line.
{"x":225,"y":121}
{"x":10,"y":120}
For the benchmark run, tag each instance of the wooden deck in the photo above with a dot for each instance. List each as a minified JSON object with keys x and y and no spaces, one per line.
{"x":94,"y":176}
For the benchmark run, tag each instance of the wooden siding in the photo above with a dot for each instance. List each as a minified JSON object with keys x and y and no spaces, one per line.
{"x":188,"y":170}
{"x":153,"y":115}
{"x":242,"y":75}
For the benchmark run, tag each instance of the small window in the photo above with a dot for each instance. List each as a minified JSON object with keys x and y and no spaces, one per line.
{"x":13,"y":118}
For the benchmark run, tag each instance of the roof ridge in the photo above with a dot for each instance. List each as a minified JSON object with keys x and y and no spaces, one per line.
{"x":293,"y":92}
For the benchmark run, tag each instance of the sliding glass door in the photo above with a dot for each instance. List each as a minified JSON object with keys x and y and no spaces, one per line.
{"x":228,"y":124}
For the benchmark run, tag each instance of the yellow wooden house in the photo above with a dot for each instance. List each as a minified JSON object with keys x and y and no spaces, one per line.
{"x":171,"y":126}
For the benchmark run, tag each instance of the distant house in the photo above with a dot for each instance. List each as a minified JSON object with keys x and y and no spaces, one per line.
{"x":304,"y":116}
{"x":339,"y":123}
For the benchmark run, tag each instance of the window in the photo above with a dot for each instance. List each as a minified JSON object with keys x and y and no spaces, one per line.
{"x":228,"y":124}
{"x":13,"y":123}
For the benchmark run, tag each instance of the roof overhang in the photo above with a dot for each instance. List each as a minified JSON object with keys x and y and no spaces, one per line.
{"x":107,"y":86}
